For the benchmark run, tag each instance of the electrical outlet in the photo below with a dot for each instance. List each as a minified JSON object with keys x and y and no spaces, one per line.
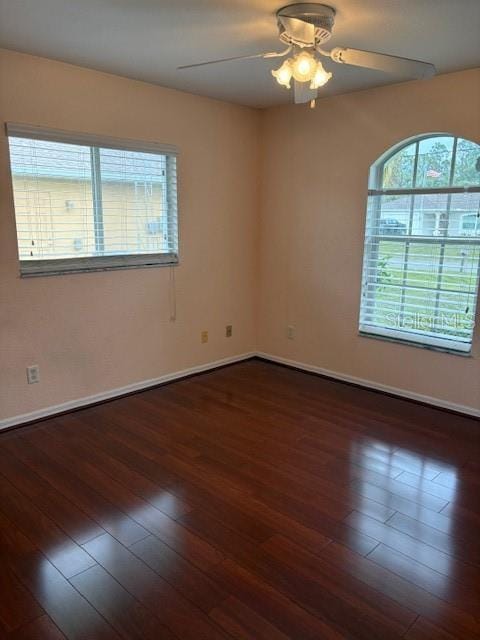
{"x":228,"y":331}
{"x":290,"y":332}
{"x":204,"y":337}
{"x":33,"y":374}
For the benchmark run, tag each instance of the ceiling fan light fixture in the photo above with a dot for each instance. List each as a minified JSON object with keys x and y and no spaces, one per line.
{"x":304,"y":66}
{"x":304,"y":26}
{"x":283,"y":74}
{"x":320,"y":77}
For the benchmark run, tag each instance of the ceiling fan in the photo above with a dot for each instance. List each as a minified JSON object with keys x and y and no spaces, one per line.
{"x":304,"y":27}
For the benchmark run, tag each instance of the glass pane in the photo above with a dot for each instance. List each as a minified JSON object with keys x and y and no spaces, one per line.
{"x":52,"y":190}
{"x":464,"y":215}
{"x":421,"y":287}
{"x":390,"y":263}
{"x":467,"y":164}
{"x":460,"y":267}
{"x":413,"y":274}
{"x":398,"y":170}
{"x":389,"y":215}
{"x":455,"y":314}
{"x":434,"y":162}
{"x":432,"y":215}
{"x":133,"y":202}
{"x":387,"y":306}
{"x":470,"y":225}
{"x":422,"y":266}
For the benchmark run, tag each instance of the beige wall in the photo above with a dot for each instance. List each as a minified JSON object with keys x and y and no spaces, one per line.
{"x":94,"y":332}
{"x":291,"y":254}
{"x":314,"y":176}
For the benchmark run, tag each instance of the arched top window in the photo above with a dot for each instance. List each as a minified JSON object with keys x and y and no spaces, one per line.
{"x":428,"y":162}
{"x":422,"y":243}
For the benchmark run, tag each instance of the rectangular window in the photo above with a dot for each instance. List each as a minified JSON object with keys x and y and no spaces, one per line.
{"x":421,"y":267}
{"x":86,"y":203}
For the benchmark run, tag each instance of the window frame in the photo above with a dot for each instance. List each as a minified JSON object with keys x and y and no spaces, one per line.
{"x":372,"y":243}
{"x":85,"y":264}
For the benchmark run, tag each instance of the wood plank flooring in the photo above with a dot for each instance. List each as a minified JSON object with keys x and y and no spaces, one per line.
{"x":251,"y":502}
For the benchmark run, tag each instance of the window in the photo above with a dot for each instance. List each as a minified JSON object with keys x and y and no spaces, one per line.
{"x":422,"y":244}
{"x":85,"y":203}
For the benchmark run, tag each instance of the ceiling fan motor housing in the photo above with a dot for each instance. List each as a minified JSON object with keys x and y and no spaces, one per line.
{"x":320,"y":15}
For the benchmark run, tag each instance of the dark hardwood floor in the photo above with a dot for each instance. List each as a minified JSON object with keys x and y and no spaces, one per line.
{"x":249,"y":502}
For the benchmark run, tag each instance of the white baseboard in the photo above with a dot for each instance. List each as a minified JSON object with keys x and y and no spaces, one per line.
{"x":369,"y":384}
{"x":152,"y":382}
{"x":119,"y":391}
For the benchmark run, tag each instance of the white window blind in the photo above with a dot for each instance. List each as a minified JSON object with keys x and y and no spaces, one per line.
{"x":422,"y":244}
{"x":85,"y":203}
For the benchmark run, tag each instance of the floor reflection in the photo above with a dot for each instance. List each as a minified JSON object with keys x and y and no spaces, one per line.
{"x":398,"y":503}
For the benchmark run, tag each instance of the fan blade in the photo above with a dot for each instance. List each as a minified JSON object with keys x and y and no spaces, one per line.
{"x":302,"y":92}
{"x":269,"y":54}
{"x":383,"y":62}
{"x":298,"y":30}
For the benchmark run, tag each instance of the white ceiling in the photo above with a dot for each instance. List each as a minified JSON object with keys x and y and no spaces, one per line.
{"x":148,"y":39}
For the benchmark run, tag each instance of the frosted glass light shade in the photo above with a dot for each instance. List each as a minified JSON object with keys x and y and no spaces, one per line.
{"x":320,"y":77}
{"x":283,"y":74}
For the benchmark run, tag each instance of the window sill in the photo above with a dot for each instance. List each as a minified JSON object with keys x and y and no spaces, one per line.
{"x":418,"y":345}
{"x":61,"y":267}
